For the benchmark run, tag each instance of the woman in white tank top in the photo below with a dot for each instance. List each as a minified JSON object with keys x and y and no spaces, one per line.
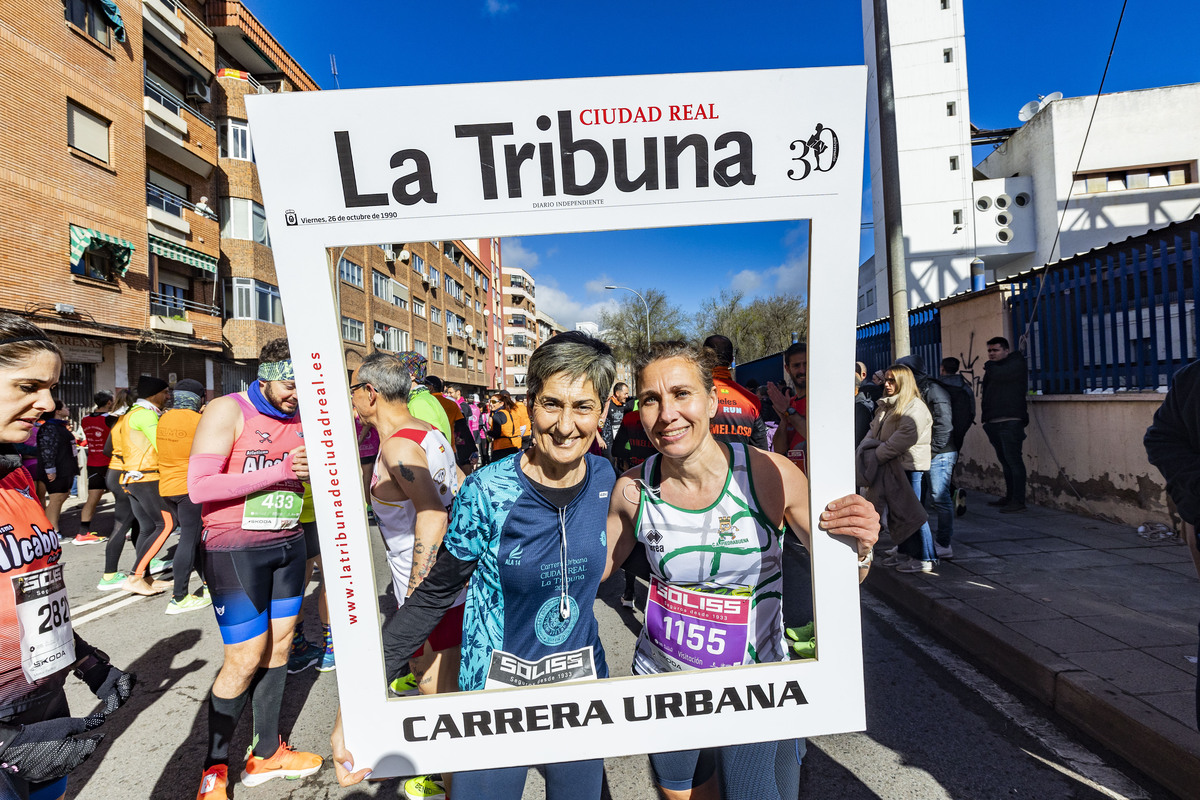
{"x":712,"y":517}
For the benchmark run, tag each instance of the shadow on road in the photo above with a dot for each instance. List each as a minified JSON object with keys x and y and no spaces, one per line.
{"x":156,"y":681}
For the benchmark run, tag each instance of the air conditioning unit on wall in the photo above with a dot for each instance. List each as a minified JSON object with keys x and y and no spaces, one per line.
{"x":198,"y":90}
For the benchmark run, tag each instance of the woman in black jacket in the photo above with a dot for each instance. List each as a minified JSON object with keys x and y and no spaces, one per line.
{"x":57,"y":462}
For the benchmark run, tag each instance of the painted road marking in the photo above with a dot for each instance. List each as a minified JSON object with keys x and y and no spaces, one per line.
{"x":76,"y":621}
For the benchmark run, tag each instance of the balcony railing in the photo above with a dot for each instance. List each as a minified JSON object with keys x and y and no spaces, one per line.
{"x":165,"y":305}
{"x":158,"y":197}
{"x":163,"y":96}
{"x":195,"y":20}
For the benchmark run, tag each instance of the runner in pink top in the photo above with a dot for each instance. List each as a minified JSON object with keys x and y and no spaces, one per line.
{"x":271,"y":512}
{"x":246,"y":468}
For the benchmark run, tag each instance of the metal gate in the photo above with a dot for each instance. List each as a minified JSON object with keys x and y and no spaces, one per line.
{"x":76,"y":388}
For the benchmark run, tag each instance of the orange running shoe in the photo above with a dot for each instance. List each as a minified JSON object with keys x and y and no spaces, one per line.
{"x":285,"y":763}
{"x":212,"y":785}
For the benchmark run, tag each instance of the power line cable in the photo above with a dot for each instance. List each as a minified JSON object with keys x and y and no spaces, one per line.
{"x":1070,"y":192}
{"x":1062,"y":218}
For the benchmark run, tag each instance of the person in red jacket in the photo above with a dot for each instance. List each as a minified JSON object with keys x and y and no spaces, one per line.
{"x":739,"y":416}
{"x":96,"y":426}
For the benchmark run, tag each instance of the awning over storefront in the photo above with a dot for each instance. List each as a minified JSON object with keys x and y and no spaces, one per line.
{"x":177,"y":252}
{"x":114,"y":17}
{"x":83,"y":239}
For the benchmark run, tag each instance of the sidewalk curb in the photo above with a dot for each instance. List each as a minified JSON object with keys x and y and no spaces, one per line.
{"x":1161,"y":747}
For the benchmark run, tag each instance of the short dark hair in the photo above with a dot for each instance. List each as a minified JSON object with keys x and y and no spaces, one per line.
{"x":795,"y":348}
{"x":951,"y":365}
{"x":1000,"y":340}
{"x":434,"y":383}
{"x":102,"y":398}
{"x":619,"y":385}
{"x":722,"y":347}
{"x":275,"y":350}
{"x":574,"y":354}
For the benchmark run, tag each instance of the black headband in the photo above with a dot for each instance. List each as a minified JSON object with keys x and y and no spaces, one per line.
{"x":16,"y":339}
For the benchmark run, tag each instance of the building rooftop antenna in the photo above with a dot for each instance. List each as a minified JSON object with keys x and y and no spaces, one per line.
{"x":1031,"y":108}
{"x":333,"y":69}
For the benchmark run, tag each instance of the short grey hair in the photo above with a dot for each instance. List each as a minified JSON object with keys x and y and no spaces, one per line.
{"x":388,"y":375}
{"x":575,"y":354}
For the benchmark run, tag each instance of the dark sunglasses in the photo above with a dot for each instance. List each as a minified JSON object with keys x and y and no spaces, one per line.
{"x":354,"y":387}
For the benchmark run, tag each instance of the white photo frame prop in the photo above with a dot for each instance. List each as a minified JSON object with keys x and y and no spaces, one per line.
{"x":428,"y":163}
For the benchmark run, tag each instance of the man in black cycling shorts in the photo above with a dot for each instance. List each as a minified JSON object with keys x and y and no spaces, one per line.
{"x":246,"y":468}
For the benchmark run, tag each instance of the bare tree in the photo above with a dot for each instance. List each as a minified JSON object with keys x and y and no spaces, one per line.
{"x":625,"y":328}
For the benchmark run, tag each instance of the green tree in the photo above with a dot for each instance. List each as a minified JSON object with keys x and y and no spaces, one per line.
{"x":759,"y":328}
{"x":625,"y":328}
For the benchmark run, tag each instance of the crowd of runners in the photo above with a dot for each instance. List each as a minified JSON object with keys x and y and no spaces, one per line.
{"x":471,"y":502}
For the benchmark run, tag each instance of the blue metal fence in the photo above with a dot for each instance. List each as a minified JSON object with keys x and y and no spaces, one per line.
{"x":1121,"y":318}
{"x":874,"y":346}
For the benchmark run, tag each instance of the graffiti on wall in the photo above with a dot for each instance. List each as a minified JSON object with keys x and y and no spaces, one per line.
{"x":968,"y":361}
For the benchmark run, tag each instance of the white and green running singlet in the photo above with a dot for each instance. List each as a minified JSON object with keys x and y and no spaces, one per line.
{"x":716,"y":583}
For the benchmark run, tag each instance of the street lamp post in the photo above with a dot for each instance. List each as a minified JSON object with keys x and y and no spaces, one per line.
{"x":644,"y":303}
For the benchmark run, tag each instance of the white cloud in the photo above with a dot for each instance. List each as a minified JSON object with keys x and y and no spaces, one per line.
{"x":748,"y":281}
{"x":788,"y":278}
{"x":566,"y":310}
{"x":518,"y":255}
{"x":791,"y":277}
{"x":495,"y":8}
{"x":596,"y":285}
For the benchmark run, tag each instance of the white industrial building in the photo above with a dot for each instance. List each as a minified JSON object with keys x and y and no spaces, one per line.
{"x":1139,"y":170}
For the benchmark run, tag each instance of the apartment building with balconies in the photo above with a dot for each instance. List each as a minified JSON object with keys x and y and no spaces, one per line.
{"x":109,"y":239}
{"x":248,"y":61}
{"x":133,"y":229}
{"x":427,"y":297}
{"x":520,"y":327}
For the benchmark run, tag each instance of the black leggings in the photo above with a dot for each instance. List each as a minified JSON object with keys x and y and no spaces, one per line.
{"x":155,"y":521}
{"x":182,"y":508}
{"x":123,"y":521}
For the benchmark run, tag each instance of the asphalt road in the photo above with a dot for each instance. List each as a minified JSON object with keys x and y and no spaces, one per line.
{"x":936,"y":727}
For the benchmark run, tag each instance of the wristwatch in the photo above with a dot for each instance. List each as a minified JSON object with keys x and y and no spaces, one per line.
{"x":864,"y":562}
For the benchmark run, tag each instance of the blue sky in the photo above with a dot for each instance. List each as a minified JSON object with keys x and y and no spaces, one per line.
{"x":1016,"y":50}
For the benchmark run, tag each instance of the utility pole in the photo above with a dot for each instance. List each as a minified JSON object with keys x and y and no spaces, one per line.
{"x":889,"y":158}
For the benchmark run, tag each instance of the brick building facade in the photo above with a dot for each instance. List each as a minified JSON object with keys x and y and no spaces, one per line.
{"x":134,"y":230}
{"x":122,"y":146}
{"x":429,"y":297}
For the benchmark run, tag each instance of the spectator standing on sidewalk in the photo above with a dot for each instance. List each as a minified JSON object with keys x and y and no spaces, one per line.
{"x":1005,"y":386}
{"x":864,"y":406}
{"x":942,"y":450}
{"x":901,"y":431}
{"x":1173,"y":445}
{"x":962,"y":403}
{"x":96,"y":427}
